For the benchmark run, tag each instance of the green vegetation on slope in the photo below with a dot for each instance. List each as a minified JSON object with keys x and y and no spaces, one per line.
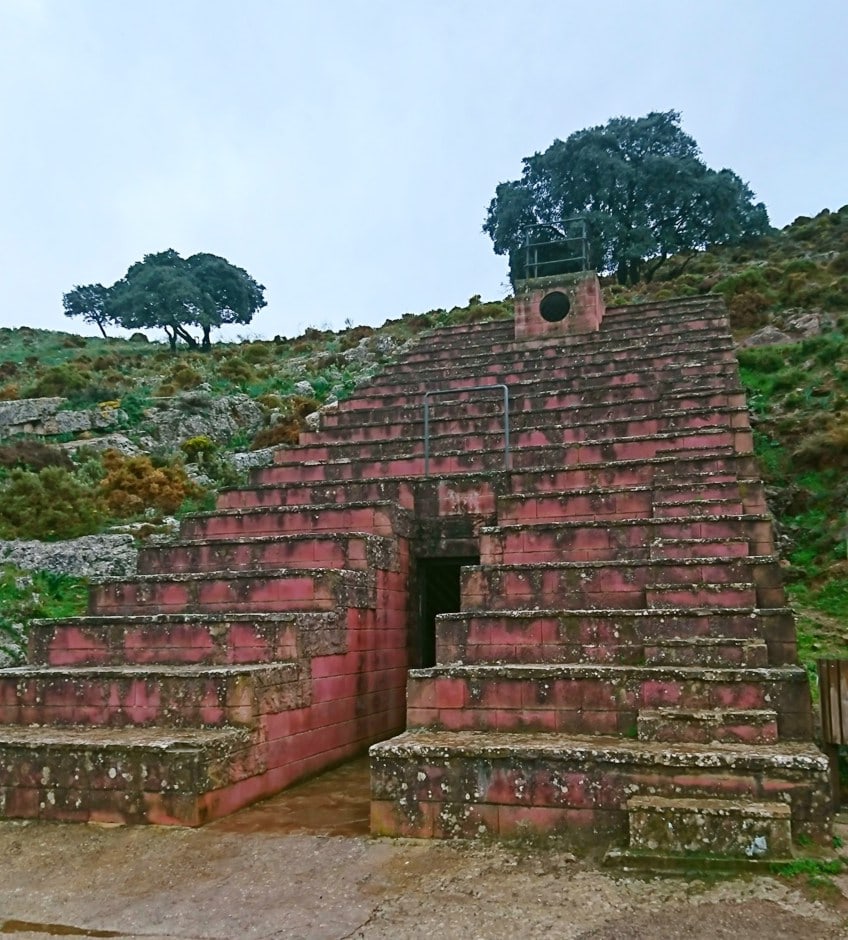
{"x":25,"y":596}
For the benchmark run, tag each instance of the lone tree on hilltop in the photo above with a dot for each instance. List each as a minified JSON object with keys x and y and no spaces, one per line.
{"x":168,"y":292}
{"x":88,"y":302}
{"x":641,"y":186}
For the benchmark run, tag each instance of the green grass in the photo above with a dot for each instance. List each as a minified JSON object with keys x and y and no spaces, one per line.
{"x":808,"y":866}
{"x":28,"y":596}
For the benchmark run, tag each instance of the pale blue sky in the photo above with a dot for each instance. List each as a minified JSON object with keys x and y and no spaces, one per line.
{"x":344,"y":151}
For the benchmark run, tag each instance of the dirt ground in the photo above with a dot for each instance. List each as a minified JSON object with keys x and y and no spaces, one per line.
{"x":299,"y":866}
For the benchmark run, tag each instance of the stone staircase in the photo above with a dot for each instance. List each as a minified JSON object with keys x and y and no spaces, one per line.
{"x":622,"y":669}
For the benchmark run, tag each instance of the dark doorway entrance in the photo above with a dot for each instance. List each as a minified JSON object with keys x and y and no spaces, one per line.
{"x":438,"y":580}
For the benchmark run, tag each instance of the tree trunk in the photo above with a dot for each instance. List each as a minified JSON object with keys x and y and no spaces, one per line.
{"x":172,"y":340}
{"x":187,"y":338}
{"x":206,"y":343}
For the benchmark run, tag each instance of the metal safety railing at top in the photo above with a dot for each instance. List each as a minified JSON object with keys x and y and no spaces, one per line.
{"x":555,"y":249}
{"x":455,"y":391}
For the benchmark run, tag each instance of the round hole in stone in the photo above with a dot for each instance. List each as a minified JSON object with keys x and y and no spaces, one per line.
{"x":554,"y":306}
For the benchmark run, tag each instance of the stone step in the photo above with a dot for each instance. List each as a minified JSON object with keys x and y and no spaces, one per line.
{"x":525,"y":428}
{"x":177,"y":696}
{"x":401,"y":489}
{"x":491,"y":439}
{"x":703,"y":508}
{"x":235,"y":592}
{"x":594,"y":460}
{"x":470,"y":408}
{"x":708,"y":726}
{"x":671,"y":365}
{"x":625,"y":539}
{"x":619,"y":324}
{"x":224,"y":639}
{"x":691,"y":376}
{"x":487,"y":331}
{"x":711,"y":594}
{"x":632,"y":538}
{"x":604,"y":636}
{"x":627,"y":584}
{"x":118,"y":775}
{"x":706,"y":651}
{"x":621,"y":502}
{"x":662,"y":470}
{"x":578,"y":390}
{"x":735,"y":547}
{"x":439,"y":784}
{"x":377,"y":517}
{"x":487,"y":451}
{"x":595,"y":699}
{"x":727,"y":828}
{"x":658,"y":351}
{"x":611,"y":338}
{"x":351,"y":550}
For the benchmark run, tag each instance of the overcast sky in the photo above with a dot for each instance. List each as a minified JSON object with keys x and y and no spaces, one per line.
{"x":344,"y":152}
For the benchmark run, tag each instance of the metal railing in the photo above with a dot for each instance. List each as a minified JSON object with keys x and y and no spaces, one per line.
{"x":555,"y":249}
{"x":470,"y":388}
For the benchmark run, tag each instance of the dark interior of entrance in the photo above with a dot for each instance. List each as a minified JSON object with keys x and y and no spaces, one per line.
{"x":438,"y":580}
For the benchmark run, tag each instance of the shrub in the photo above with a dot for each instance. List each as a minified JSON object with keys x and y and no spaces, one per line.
{"x":839,"y":264}
{"x":762,"y":358}
{"x":351,"y":337}
{"x":63,"y":380}
{"x":34,"y":455}
{"x":9,"y":393}
{"x":748,"y":310}
{"x":257,"y":352}
{"x":134,"y":484}
{"x":295,"y":408}
{"x":827,"y":447}
{"x":197,"y":447}
{"x":270,"y":400}
{"x":185,"y":377}
{"x":285,"y":431}
{"x":51,"y":504}
{"x":236,"y":370}
{"x":837,"y":294}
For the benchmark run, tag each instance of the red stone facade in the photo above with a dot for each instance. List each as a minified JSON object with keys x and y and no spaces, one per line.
{"x":619,"y":655}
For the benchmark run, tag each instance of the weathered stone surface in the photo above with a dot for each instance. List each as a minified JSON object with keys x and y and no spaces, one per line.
{"x":43,"y":416}
{"x":767,"y":336}
{"x":92,"y":556}
{"x":730,"y":828}
{"x":118,"y":442}
{"x":196,"y":413}
{"x":244,"y":460}
{"x":74,"y":422}
{"x":27,"y":411}
{"x":808,"y":323}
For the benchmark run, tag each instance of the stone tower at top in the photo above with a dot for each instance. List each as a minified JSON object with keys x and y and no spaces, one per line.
{"x":556,"y":294}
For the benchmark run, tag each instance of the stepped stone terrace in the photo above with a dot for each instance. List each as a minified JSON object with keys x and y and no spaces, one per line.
{"x":567,"y":617}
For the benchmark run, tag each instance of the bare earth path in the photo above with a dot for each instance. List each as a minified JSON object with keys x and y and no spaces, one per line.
{"x":260,"y":875}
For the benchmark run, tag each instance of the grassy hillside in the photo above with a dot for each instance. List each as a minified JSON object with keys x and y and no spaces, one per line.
{"x":795,"y":281}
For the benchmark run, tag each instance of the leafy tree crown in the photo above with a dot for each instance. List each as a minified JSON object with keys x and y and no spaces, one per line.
{"x":641,"y":186}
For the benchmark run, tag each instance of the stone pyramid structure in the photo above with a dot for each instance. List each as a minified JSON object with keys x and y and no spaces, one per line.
{"x":585,"y":586}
